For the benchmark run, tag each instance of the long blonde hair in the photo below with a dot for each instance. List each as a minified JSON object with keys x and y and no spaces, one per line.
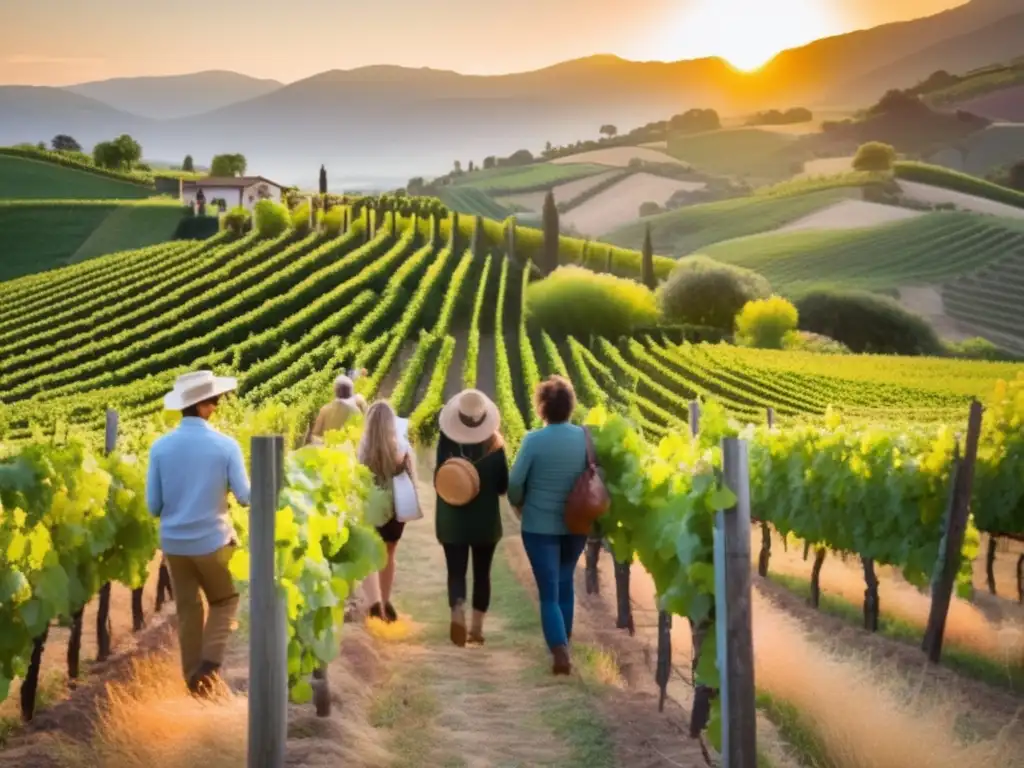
{"x":379,"y":447}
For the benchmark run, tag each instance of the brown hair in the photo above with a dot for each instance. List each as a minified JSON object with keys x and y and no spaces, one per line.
{"x":555,"y":400}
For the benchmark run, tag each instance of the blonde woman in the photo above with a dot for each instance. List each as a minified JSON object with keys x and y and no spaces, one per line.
{"x":386,"y":454}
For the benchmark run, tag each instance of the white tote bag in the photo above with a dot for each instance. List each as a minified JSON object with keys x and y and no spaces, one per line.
{"x":407,"y":502}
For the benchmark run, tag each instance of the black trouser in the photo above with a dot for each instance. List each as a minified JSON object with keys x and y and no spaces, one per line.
{"x":457,"y":557}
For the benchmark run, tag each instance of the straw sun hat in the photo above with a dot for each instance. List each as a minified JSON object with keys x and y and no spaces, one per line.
{"x":470,"y":417}
{"x":192,"y":388}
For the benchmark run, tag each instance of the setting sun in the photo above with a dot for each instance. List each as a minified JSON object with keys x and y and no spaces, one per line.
{"x":748,"y":33}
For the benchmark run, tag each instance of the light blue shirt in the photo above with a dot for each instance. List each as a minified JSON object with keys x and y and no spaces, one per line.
{"x":548,"y":464}
{"x":191,"y":471}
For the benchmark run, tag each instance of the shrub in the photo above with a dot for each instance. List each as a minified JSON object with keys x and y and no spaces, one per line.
{"x":804,"y":341}
{"x":976,"y":349}
{"x":237,"y":220}
{"x":300,"y":219}
{"x":700,"y":291}
{"x":334,"y":221}
{"x":580,"y":302}
{"x":867,"y":322}
{"x":650,"y":208}
{"x":874,"y":156}
{"x":765,"y":323}
{"x":271,"y":218}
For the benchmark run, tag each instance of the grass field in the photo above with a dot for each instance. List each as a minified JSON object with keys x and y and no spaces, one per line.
{"x":926,"y":249}
{"x":686,"y":230}
{"x":36,"y":236}
{"x":619,"y":157}
{"x":25,"y":179}
{"x":474,"y":201}
{"x":992,"y":297}
{"x":945,"y":178}
{"x":746,"y":152}
{"x":527,"y":178}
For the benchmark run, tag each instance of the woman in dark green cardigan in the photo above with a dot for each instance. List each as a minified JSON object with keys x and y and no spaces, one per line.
{"x":469,"y":430}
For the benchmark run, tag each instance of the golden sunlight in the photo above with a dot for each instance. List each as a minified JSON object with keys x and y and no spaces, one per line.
{"x":748,"y":33}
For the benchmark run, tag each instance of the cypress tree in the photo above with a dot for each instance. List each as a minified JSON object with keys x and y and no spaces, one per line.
{"x":649,"y":278}
{"x":583,"y":253}
{"x":549,"y":255}
{"x":608,"y":265}
{"x":188,"y":166}
{"x":323,"y":180}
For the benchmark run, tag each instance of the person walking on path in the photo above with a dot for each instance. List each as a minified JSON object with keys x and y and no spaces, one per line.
{"x":386,"y":455}
{"x":190,"y":472}
{"x":333,"y":416}
{"x":469,"y":522}
{"x":549,"y":462}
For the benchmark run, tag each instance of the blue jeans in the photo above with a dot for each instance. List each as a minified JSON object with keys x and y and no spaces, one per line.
{"x":553,"y":560}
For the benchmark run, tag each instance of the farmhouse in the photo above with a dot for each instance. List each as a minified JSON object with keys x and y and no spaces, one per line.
{"x":245,"y":191}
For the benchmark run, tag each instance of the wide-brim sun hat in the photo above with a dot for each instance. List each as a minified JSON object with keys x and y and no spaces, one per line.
{"x":195,"y":387}
{"x":470,"y":417}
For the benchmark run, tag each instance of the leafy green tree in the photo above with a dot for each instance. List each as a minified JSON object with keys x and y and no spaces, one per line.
{"x":609,"y":130}
{"x":549,"y":255}
{"x":188,"y":165}
{"x":228,"y":165}
{"x":64,"y":143}
{"x":874,"y":156}
{"x":647,"y":265}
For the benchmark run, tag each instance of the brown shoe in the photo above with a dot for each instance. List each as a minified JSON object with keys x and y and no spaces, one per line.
{"x":563,"y":663}
{"x":476,"y":630}
{"x":457,"y":629}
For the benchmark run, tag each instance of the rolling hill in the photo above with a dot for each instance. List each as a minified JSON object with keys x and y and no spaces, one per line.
{"x":163,"y":98}
{"x":29,"y":179}
{"x":999,"y":41}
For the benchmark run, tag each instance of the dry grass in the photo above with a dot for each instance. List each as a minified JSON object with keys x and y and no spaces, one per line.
{"x":862,"y":719}
{"x":150,"y":720}
{"x":966,"y":625}
{"x":620,"y":204}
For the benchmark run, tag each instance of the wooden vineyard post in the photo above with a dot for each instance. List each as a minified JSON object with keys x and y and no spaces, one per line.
{"x":510,"y":248}
{"x":103,"y":626}
{"x":75,"y":646}
{"x":953,"y":537}
{"x":734,"y":625}
{"x":268,"y":652}
{"x":766,"y":534}
{"x":321,"y":691}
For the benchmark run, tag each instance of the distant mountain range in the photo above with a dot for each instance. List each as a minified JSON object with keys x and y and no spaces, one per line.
{"x":165,"y":98}
{"x":386,"y":121}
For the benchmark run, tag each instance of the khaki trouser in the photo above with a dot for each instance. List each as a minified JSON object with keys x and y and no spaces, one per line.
{"x":210,"y":574}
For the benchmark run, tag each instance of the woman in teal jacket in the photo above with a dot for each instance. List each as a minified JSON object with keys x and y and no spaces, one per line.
{"x":550,"y":461}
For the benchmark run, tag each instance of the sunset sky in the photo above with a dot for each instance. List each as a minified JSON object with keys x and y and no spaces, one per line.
{"x":57,"y":42}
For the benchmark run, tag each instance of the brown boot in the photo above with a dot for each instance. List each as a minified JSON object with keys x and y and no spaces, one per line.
{"x":457,"y":630}
{"x":476,"y":631}
{"x":563,"y":663}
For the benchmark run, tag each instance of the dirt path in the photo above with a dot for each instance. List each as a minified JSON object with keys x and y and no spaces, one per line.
{"x":485,"y":365}
{"x":453,"y":383}
{"x":476,"y":706}
{"x":387,"y":384}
